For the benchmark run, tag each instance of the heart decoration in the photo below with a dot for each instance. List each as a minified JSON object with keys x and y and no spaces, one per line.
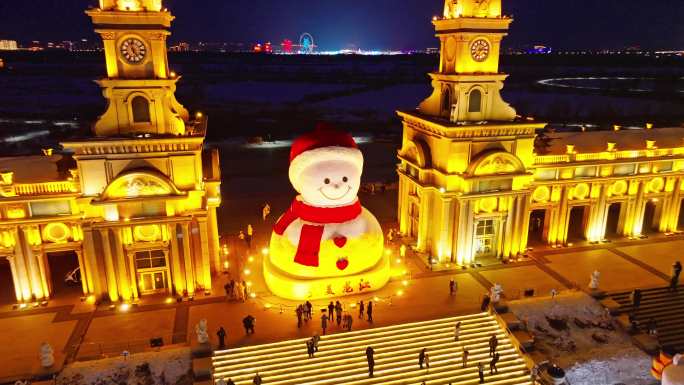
{"x":342,"y":263}
{"x":340,"y":241}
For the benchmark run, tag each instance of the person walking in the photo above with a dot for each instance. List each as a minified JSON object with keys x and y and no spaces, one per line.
{"x":485,"y":302}
{"x":315,"y":339}
{"x":493,"y":343}
{"x":371,"y":360}
{"x":250,"y":234}
{"x":361,"y":309}
{"x":674,"y":279}
{"x":257,"y":379}
{"x":338,"y":312}
{"x":350,"y":320}
{"x":248,"y":323}
{"x":331,"y":309}
{"x":465,"y":357}
{"x":324,"y":322}
{"x":457,"y":331}
{"x":492,"y":364}
{"x":452,"y":286}
{"x":245,"y":291}
{"x":421,"y":357}
{"x":230,"y":382}
{"x":480,"y":372}
{"x":369,"y":311}
{"x":265,"y":211}
{"x":310,"y":348}
{"x":309,"y":308}
{"x":221,"y":333}
{"x":636,"y":299}
{"x":299,"y":312}
{"x":426,"y":361}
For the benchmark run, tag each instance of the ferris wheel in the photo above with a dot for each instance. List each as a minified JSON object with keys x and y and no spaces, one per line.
{"x":306,"y":43}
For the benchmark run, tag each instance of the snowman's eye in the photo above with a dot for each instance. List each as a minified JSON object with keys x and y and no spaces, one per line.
{"x":344,"y":179}
{"x":326,"y":181}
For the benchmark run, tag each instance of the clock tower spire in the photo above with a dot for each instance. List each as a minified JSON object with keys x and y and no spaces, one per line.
{"x":139,"y":86}
{"x":466,"y":86}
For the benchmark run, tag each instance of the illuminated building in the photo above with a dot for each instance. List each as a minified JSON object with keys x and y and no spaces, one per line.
{"x":137,"y":207}
{"x":8,"y":45}
{"x":471,"y":185}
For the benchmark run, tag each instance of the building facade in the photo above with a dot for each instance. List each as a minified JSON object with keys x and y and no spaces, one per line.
{"x":472,"y":185}
{"x":135,"y":203}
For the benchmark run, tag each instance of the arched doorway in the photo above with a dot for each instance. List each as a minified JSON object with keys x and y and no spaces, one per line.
{"x":537,"y":231}
{"x":613,"y":220}
{"x":577,"y":223}
{"x":7,"y":293}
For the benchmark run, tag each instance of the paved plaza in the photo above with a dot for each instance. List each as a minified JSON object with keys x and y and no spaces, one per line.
{"x":85,"y":331}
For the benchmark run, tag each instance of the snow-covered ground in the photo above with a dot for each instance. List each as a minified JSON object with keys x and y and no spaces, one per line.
{"x":576,"y":349}
{"x":166,"y":367}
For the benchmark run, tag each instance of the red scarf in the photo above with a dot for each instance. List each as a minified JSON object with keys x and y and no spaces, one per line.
{"x":311,"y":234}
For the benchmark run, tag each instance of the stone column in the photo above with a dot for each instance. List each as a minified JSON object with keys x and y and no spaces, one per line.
{"x":424,"y":218}
{"x":563,"y":216}
{"x":130,"y":257}
{"x":675,"y":206}
{"x":187,"y":257}
{"x":32,"y":265}
{"x":123,"y":274}
{"x":177,"y":276}
{"x":402,"y":207}
{"x":446,"y":234}
{"x":517,"y":225}
{"x":44,"y":272}
{"x":92,"y":269}
{"x":109,"y":266}
{"x":638,"y":213}
{"x":204,"y":271}
{"x":15,"y":278}
{"x":525,"y":223}
{"x":214,"y":245}
{"x":84,"y":275}
{"x":469,"y":254}
{"x":508,"y":233}
{"x":460,"y":231}
{"x":23,"y":279}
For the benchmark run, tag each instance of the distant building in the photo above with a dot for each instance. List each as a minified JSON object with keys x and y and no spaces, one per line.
{"x":8,"y":45}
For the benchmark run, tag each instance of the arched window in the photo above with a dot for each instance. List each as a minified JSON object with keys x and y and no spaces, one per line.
{"x":446,"y":101}
{"x":475,"y":101}
{"x":141,"y":110}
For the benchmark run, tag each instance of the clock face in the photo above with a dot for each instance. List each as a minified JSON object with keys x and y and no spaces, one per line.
{"x":133,"y":50}
{"x":479,"y":50}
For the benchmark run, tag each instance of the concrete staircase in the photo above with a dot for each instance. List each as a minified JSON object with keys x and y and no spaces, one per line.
{"x":341,"y":358}
{"x":665,"y":306}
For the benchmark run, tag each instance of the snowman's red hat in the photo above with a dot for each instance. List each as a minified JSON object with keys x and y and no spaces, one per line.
{"x":321,"y":144}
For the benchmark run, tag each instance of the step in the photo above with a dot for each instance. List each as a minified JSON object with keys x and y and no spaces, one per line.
{"x":341,"y":357}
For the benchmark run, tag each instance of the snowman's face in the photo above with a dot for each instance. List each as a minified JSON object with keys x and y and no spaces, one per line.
{"x":330,"y":183}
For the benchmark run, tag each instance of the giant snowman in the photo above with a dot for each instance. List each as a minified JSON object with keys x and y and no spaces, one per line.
{"x":326,"y":244}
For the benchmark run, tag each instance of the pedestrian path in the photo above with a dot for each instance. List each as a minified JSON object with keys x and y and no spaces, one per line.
{"x":341,"y":359}
{"x":665,"y":307}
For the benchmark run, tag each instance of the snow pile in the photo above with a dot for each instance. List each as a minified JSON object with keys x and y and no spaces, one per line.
{"x":573,"y":331}
{"x":165,"y":367}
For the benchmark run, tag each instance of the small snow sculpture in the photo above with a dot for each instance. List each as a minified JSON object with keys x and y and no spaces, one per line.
{"x":495,"y":292}
{"x":201,"y":330}
{"x":47,"y":356}
{"x":594,"y":280}
{"x":678,"y":360}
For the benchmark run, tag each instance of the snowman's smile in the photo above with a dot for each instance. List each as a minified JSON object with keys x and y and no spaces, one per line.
{"x":334,"y":197}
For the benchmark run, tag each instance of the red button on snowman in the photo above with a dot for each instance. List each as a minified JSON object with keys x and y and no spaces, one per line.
{"x":326,"y":242}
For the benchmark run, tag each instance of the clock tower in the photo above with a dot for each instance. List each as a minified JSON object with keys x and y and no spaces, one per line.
{"x":139,"y":86}
{"x":466,"y":161}
{"x":466,"y":85}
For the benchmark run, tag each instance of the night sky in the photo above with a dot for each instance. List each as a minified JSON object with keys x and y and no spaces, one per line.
{"x":371,"y":24}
